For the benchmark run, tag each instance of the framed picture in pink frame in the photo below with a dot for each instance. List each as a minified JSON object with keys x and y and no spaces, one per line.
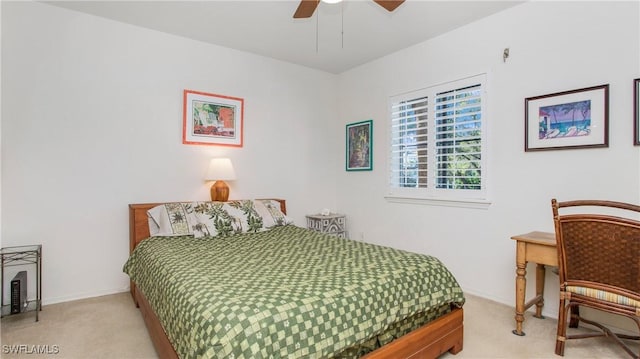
{"x":212,"y":119}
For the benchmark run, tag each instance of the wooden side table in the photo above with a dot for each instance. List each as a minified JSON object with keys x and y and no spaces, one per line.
{"x":333,"y":223}
{"x":540,"y":248}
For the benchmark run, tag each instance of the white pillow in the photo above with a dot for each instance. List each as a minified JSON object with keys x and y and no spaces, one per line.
{"x":172,"y":219}
{"x":271,"y":213}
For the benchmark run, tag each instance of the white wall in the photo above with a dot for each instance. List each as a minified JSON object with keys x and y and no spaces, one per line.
{"x":92,"y":121}
{"x":92,"y":118}
{"x":554,"y":46}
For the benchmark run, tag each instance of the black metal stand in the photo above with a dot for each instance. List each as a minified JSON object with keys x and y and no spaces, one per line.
{"x":17,"y":256}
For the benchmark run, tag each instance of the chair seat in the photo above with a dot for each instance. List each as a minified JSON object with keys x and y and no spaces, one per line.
{"x":604,"y":295}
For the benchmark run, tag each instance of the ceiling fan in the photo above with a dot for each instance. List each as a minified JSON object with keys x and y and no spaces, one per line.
{"x":308,"y":7}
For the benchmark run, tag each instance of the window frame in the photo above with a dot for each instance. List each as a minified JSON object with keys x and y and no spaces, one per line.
{"x":432,"y":195}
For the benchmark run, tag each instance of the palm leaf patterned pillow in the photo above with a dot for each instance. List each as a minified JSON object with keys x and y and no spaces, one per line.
{"x":216,"y":219}
{"x":171,"y":219}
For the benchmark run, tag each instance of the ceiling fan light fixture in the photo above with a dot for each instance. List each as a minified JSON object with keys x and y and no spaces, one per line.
{"x":306,"y":8}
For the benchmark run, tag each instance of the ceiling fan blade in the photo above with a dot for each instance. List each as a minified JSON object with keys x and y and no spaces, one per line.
{"x":306,"y":9}
{"x":390,"y":5}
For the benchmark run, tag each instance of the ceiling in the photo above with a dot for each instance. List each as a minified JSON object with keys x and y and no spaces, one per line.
{"x":337,"y":38}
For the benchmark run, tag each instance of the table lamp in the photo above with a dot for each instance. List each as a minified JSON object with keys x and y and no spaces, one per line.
{"x":220,"y":169}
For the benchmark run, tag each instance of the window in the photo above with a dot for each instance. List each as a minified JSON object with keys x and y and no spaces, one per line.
{"x":437,"y":148}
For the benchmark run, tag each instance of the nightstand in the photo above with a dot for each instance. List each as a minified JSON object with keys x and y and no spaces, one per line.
{"x":333,"y":223}
{"x":21,"y":256}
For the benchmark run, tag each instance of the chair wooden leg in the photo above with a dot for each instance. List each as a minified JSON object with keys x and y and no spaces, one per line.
{"x":603,"y":332}
{"x":616,"y":337}
{"x":574,"y":319}
{"x":562,"y":327}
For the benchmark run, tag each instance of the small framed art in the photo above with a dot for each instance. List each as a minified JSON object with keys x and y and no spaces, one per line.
{"x":565,"y":120}
{"x":210,"y":119}
{"x":636,"y":112}
{"x":359,"y":146}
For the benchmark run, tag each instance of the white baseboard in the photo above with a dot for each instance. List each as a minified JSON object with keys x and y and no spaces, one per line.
{"x":79,"y":296}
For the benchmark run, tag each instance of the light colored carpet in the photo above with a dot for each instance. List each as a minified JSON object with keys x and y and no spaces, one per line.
{"x":112,"y":327}
{"x":103,"y":327}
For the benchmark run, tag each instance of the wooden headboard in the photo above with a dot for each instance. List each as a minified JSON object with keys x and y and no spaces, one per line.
{"x":139,"y":221}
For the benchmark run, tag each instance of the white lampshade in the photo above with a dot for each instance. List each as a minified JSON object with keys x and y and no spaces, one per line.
{"x":220,"y":169}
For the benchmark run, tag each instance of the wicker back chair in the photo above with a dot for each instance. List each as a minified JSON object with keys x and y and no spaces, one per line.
{"x":599,"y":266}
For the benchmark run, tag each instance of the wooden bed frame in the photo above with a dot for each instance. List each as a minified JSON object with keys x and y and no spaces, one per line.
{"x":429,"y":341}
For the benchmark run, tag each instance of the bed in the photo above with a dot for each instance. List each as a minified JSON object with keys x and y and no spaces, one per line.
{"x":285,"y":291}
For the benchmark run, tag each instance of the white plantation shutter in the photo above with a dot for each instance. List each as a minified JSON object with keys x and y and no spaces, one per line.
{"x":437,"y":142}
{"x":409,"y":128}
{"x":458,"y":138}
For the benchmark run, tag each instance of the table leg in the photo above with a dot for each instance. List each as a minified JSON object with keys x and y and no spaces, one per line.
{"x":540,"y":276}
{"x":521,"y":285}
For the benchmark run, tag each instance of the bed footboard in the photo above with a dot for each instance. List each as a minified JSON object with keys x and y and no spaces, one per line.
{"x":427,"y":342}
{"x":444,"y":334}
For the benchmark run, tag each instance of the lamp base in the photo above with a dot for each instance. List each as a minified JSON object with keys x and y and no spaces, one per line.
{"x":220,"y":191}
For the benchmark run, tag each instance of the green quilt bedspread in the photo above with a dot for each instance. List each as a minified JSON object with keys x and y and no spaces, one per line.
{"x":284,"y":293}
